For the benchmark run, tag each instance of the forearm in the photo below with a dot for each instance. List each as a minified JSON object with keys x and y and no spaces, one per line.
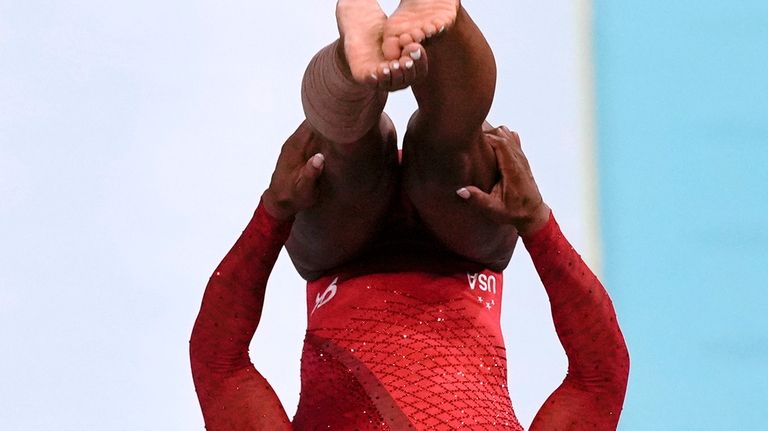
{"x":241,"y":400}
{"x":598,"y":363}
{"x":229,"y":388}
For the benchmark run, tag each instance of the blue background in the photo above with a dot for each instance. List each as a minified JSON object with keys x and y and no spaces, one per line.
{"x":682,"y":116}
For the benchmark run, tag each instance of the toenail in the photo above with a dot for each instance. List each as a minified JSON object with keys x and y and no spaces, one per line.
{"x":385,"y":71}
{"x":416,"y":55}
{"x":373,"y":75}
{"x":442,"y":29}
{"x":395,"y":65}
{"x":409,"y":64}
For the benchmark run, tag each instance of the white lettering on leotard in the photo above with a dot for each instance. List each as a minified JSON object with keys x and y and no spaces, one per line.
{"x":484,"y":283}
{"x":323,"y":299}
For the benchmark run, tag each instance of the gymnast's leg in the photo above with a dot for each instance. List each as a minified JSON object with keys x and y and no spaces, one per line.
{"x":344,"y":91}
{"x":444,"y":146}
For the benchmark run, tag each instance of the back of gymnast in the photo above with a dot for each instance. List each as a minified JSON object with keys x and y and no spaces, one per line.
{"x":403,"y":253}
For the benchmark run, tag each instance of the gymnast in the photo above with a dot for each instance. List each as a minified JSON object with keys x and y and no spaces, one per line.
{"x":403,"y":253}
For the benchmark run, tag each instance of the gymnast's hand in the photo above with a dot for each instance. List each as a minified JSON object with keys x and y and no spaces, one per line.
{"x":293,"y":187}
{"x":515,"y":199}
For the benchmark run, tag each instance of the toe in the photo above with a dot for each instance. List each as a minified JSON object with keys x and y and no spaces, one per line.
{"x":430,"y":30}
{"x":415,"y":51}
{"x":406,"y":39}
{"x":417,"y":35}
{"x":409,"y":69}
{"x":414,"y":59}
{"x":372,"y":80}
{"x":384,"y":75}
{"x":391,"y":47}
{"x":397,"y":75}
{"x":440,"y":27}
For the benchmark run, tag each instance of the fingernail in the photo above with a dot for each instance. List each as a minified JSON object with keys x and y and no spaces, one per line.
{"x":318,"y":160}
{"x":385,"y":71}
{"x":395,"y":65}
{"x":463,"y":193}
{"x":416,"y":55}
{"x":409,"y":64}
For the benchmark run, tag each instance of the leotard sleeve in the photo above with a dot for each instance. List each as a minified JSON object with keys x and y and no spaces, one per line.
{"x":233,"y":395}
{"x":592,"y":394}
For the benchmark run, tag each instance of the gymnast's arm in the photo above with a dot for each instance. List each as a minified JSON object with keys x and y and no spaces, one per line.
{"x":233,"y":395}
{"x":592,"y":394}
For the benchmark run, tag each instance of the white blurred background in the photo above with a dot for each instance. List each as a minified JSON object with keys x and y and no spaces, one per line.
{"x":135,"y":140}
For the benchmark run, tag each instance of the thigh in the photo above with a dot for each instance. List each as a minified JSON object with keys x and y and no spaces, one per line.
{"x":433,"y":169}
{"x":358,"y":184}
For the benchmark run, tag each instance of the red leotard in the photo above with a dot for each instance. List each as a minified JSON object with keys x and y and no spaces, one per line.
{"x":405,"y":349}
{"x":405,"y":341}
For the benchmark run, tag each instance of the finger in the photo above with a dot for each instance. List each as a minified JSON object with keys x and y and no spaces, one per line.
{"x":309,"y":174}
{"x":516,"y":148}
{"x":515,"y":137}
{"x":314,"y":167}
{"x":500,"y":134}
{"x":505,"y":133}
{"x":505,"y":157}
{"x":518,"y":141}
{"x":484,"y":203}
{"x":496,"y":132}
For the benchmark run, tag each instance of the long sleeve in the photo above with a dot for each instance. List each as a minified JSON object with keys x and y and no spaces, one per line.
{"x":233,"y":395}
{"x":592,"y":394}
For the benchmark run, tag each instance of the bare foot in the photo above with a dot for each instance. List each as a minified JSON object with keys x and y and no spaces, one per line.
{"x":361,"y":25}
{"x":398,"y":74}
{"x":416,"y":20}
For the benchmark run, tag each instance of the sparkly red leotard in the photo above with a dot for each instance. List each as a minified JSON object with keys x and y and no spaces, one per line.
{"x":406,"y":341}
{"x":405,"y":350}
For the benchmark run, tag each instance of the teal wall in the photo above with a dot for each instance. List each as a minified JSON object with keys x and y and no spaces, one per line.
{"x":682,"y":131}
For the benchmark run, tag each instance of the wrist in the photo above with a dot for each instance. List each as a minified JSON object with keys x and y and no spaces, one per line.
{"x":537,"y":220}
{"x":274,"y":209}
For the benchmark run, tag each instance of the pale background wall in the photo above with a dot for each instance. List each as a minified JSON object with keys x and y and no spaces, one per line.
{"x":135,"y":140}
